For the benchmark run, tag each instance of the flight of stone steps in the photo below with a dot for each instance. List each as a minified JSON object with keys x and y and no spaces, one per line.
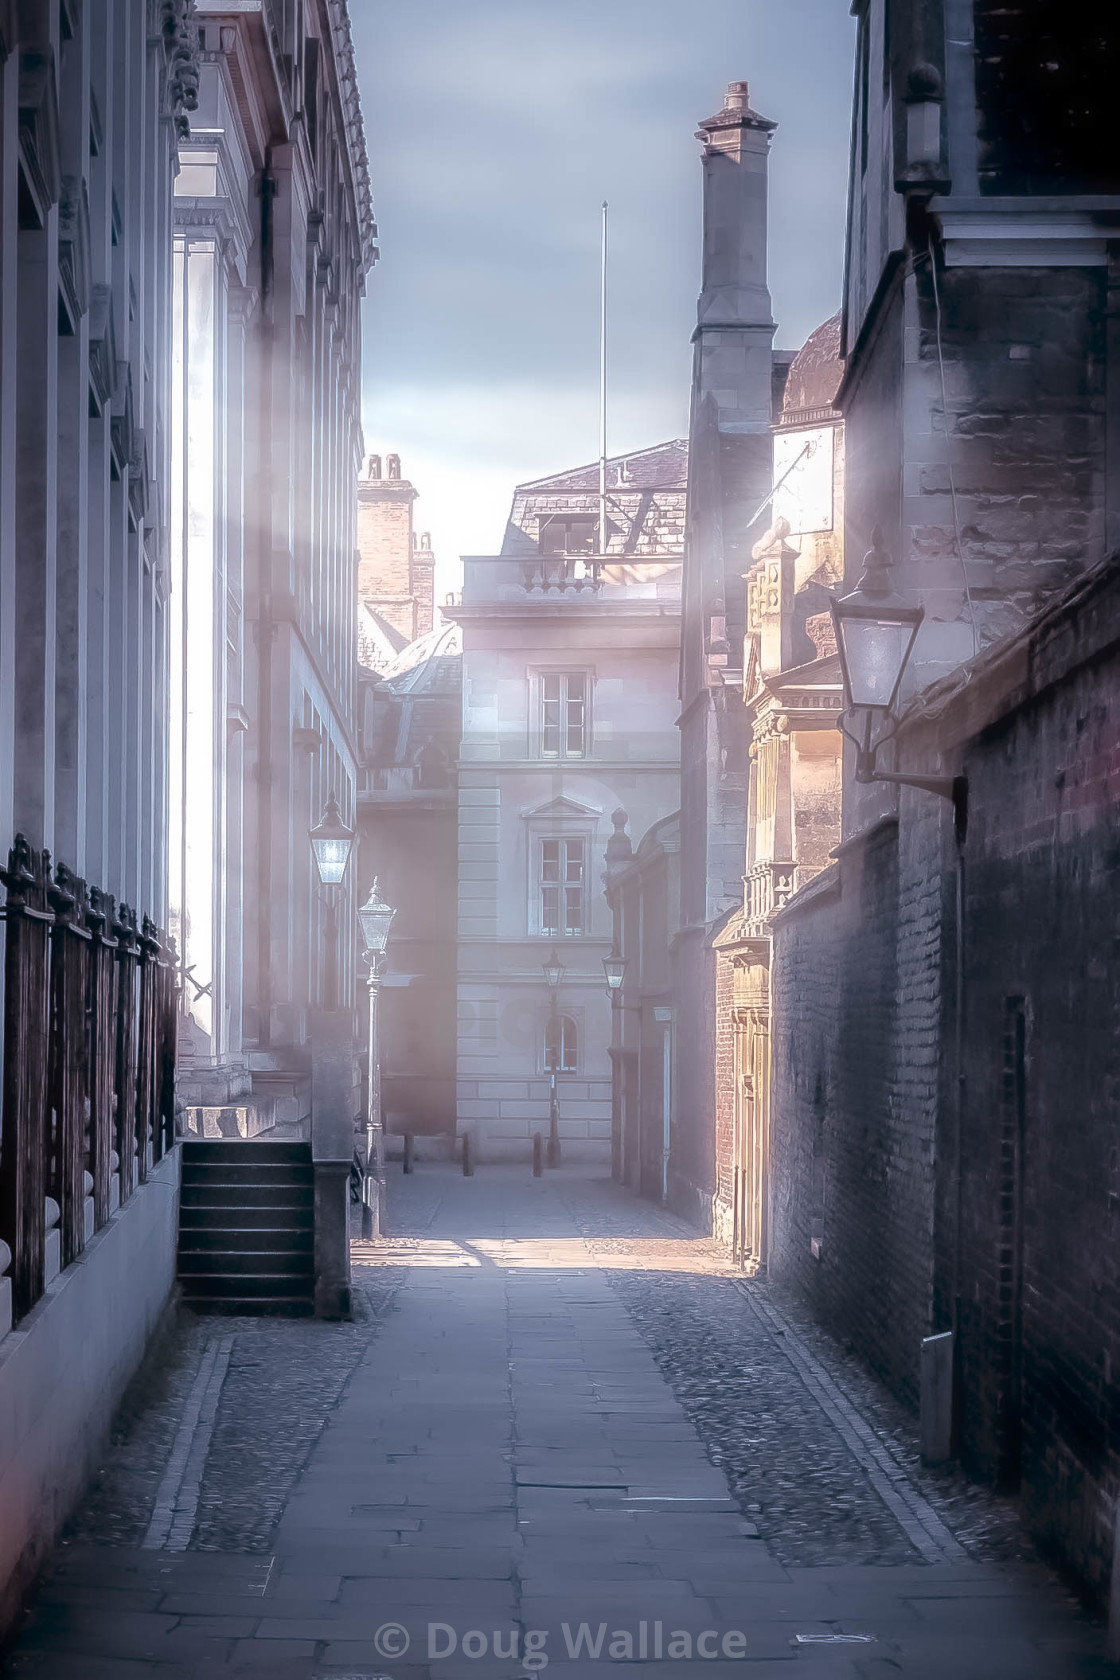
{"x":247,"y":1228}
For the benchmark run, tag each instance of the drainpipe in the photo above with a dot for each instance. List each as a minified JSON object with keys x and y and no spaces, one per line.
{"x":266,"y":628}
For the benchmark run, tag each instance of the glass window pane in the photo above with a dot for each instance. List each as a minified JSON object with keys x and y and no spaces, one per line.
{"x":574,"y":902}
{"x":574,"y":716}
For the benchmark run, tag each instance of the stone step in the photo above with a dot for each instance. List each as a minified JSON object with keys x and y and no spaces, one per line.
{"x":259,"y":1239}
{"x":264,"y":1285}
{"x":231,"y":1217}
{"x":253,"y":1306}
{"x":245,"y":1262}
{"x":247,"y":1195}
{"x":246,"y":1172}
{"x":257,"y":1152}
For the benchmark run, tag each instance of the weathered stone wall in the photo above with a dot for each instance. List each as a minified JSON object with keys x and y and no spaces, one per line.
{"x":64,"y":1370}
{"x":691,"y":1169}
{"x":724,"y":1076}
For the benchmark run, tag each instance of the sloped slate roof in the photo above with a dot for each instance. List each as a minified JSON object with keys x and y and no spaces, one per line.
{"x":431,"y":665}
{"x":379,"y":642}
{"x":664,"y":467}
{"x":814,"y":374}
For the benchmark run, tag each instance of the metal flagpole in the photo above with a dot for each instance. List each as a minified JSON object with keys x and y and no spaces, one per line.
{"x":603,"y":390}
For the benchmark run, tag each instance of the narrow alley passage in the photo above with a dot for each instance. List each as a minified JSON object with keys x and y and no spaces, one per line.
{"x":560,"y":1433}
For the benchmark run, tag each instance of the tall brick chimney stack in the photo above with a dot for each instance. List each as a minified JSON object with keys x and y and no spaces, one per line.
{"x":396,"y":567}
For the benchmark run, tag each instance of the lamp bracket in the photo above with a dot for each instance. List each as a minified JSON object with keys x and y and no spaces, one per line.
{"x":952,"y":788}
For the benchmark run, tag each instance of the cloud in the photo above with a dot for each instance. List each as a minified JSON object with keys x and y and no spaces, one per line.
{"x":495,"y":129}
{"x":466,"y":453}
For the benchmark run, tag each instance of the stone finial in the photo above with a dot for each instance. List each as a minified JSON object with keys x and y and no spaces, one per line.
{"x":822,"y":633}
{"x":875,"y":581}
{"x":619,"y":848}
{"x":774,"y":537}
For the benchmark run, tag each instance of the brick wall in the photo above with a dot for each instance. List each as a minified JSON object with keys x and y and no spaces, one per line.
{"x":386,"y":580}
{"x":856,"y":1001}
{"x":1040,"y":1262}
{"x":875,"y":1148}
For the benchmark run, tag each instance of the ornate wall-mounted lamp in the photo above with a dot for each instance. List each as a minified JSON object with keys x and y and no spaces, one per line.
{"x":876,"y":629}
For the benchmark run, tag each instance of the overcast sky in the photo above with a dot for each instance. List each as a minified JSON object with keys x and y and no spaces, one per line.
{"x":495,"y":129}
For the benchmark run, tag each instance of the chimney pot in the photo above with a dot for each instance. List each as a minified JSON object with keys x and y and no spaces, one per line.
{"x":374,"y":470}
{"x":738,"y":94}
{"x":394,"y":464}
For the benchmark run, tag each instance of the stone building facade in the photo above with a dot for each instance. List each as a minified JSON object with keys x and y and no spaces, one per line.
{"x":792,"y":699}
{"x":942,"y":1161}
{"x":396,"y":565}
{"x":274,"y":238}
{"x":94,"y":106}
{"x":411,"y":724}
{"x":570,"y":651}
{"x":736,"y":388}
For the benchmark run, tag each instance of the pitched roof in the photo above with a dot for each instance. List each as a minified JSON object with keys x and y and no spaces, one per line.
{"x":432,"y":664}
{"x":662,"y":467}
{"x":379,"y":642}
{"x":814,"y":374}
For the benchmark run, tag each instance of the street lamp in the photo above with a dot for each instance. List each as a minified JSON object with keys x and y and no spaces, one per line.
{"x":876,"y":629}
{"x":374,"y":918}
{"x":331,"y":845}
{"x":554,"y":974}
{"x":614,"y":968}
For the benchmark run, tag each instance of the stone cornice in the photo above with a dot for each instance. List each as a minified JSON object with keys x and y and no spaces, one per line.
{"x":175,"y":26}
{"x":346,"y":79}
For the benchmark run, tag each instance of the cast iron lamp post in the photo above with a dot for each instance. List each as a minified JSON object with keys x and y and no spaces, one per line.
{"x":614,"y":968}
{"x":331,"y":845}
{"x":374,"y":918}
{"x":876,"y":629}
{"x":554,"y":974}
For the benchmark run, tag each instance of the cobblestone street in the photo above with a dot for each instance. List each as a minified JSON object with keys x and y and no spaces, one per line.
{"x":560,"y":1432}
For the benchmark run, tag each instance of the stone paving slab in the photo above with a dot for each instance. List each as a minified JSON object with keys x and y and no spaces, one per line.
{"x":410,"y":1538}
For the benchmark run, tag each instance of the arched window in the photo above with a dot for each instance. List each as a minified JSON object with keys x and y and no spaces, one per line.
{"x":561,"y":1044}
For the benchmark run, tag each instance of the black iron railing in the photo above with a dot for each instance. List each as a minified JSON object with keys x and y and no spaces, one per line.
{"x":90,"y":1010}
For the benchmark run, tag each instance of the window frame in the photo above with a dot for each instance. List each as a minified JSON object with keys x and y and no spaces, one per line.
{"x":539,"y":682}
{"x":562,"y":885}
{"x":562,"y":1016}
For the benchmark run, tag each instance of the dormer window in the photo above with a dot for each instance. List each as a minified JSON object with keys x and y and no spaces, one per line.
{"x":563,"y":533}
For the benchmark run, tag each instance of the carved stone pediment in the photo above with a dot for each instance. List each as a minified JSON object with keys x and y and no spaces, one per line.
{"x":102,"y":349}
{"x":40,"y":175}
{"x":73,"y":249}
{"x":121,"y":425}
{"x":138,"y":479}
{"x":179,"y":33}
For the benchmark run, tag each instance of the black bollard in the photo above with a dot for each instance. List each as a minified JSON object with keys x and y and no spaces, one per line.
{"x":408,"y":1152}
{"x":468,"y":1162}
{"x":538,"y":1155}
